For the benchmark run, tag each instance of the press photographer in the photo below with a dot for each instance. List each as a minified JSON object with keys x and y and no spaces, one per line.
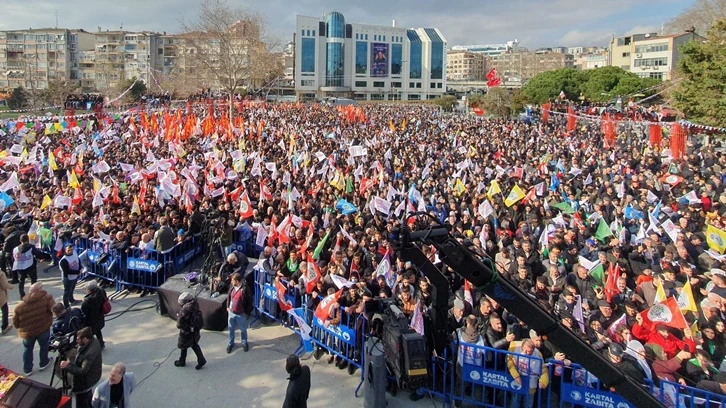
{"x":86,"y":368}
{"x":65,"y":321}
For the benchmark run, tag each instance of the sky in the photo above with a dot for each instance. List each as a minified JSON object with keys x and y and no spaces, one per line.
{"x":535,"y":23}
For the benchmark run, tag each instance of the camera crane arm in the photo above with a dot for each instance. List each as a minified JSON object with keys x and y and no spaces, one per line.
{"x":465,"y":263}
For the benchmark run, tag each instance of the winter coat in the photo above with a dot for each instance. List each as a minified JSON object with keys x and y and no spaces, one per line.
{"x":102,"y":394}
{"x":87,"y":367}
{"x":33,"y":316}
{"x":4,"y":287}
{"x":92,"y":308}
{"x":185,"y":323}
{"x":298,"y":388}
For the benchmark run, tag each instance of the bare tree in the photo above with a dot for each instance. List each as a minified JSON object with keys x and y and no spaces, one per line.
{"x":230,"y":44}
{"x":58,"y":91}
{"x":701,"y":16}
{"x":178,"y":82}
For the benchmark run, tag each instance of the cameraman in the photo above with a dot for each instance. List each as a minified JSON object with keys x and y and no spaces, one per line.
{"x":65,"y":321}
{"x":86,"y":368}
{"x":236,"y":263}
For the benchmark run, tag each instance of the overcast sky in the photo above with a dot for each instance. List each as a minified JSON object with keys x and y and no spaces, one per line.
{"x":534,"y":23}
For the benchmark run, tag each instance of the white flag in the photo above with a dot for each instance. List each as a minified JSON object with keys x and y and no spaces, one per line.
{"x":486,"y":209}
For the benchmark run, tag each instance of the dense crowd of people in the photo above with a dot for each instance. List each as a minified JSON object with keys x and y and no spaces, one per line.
{"x":597,"y":234}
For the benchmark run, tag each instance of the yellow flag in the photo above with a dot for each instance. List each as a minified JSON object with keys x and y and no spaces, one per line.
{"x":685,"y":299}
{"x":493,"y":189}
{"x":3,"y":154}
{"x":459,"y":187}
{"x":24,"y":155}
{"x":340,"y":185}
{"x":660,"y":295}
{"x":694,"y":329}
{"x":403,"y":125}
{"x":391,"y":126}
{"x":73,"y":180}
{"x":46,"y":202}
{"x":716,"y":239}
{"x":135,"y":208}
{"x":51,"y":161}
{"x":96,"y":185}
{"x":515,"y":195}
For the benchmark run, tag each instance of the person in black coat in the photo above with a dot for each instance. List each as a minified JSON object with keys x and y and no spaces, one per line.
{"x":189,"y":327}
{"x":92,"y":308}
{"x":298,"y":388}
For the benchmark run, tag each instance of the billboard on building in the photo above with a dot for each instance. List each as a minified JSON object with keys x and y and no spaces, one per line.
{"x":379,"y":60}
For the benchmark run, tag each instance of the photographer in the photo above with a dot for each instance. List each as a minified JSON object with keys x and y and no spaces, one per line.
{"x":236,"y":263}
{"x":86,"y":368}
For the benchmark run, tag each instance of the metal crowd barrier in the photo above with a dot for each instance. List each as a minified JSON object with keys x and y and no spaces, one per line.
{"x":439,"y":382}
{"x":481,"y":377}
{"x":676,"y":395}
{"x":243,"y":241}
{"x":93,"y":249}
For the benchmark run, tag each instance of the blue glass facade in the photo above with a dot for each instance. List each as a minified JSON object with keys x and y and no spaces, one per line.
{"x":307,"y":55}
{"x":361,"y":57}
{"x":415,"y":66}
{"x":437,"y":54}
{"x":396,"y":59}
{"x":334,"y":49}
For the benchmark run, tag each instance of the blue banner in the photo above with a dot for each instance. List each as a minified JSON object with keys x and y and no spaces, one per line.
{"x":339,"y":331}
{"x":270,"y":291}
{"x":497,"y":379}
{"x":345,"y":207}
{"x":591,"y":398}
{"x":145,"y":265}
{"x":92,"y":256}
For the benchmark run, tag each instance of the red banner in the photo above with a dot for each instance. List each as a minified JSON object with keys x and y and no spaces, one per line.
{"x":325,"y":306}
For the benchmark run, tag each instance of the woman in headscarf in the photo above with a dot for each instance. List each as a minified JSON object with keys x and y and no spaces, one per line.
{"x":636,"y":350}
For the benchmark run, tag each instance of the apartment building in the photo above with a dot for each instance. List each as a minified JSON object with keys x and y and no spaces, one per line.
{"x":649,"y":55}
{"x":122,"y":55}
{"x":524,"y":65}
{"x":32,"y":58}
{"x":464,"y":66}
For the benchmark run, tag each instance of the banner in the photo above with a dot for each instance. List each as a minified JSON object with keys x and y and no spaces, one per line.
{"x":588,"y":397}
{"x":144,"y":265}
{"x":379,"y":60}
{"x":496,"y":379}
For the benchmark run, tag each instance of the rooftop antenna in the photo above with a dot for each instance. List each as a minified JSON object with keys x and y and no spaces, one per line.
{"x":56,"y":18}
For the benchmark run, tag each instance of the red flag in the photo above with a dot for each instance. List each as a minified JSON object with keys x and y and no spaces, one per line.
{"x":494,"y":82}
{"x":656,"y":135}
{"x":281,"y":290}
{"x":114,"y":194}
{"x":365,"y":184}
{"x":546,"y":112}
{"x":265,"y":193}
{"x":142,"y":193}
{"x":611,"y":285}
{"x":666,"y":312}
{"x":245,"y":207}
{"x":77,"y":197}
{"x":234,"y":194}
{"x":678,"y":141}
{"x":273,"y":233}
{"x":492,"y":74}
{"x":313,"y":274}
{"x":306,"y":243}
{"x":324,"y":307}
{"x":571,"y":119}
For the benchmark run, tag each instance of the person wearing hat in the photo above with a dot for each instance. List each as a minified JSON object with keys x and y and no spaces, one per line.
{"x":70,"y":266}
{"x":472,"y":352}
{"x":298,"y":389}
{"x":189,"y":322}
{"x":625,"y":362}
{"x":456,"y":314}
{"x":590,"y":250}
{"x":605,"y":314}
{"x":92,"y":308}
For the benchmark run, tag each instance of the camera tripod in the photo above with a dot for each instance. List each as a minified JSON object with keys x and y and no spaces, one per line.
{"x":66,"y":385}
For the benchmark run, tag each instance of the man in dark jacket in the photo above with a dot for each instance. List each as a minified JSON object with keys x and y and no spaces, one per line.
{"x":86,"y":369}
{"x":298,"y":388}
{"x":92,"y":308}
{"x":25,"y":263}
{"x":189,"y":324}
{"x":12,"y":240}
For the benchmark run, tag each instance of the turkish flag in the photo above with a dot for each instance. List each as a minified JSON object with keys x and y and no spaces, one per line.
{"x":281,"y":291}
{"x":494,"y":82}
{"x":245,"y":207}
{"x":666,"y":312}
{"x":611,"y":285}
{"x":322,"y":312}
{"x":492,"y":74}
{"x":313,"y":274}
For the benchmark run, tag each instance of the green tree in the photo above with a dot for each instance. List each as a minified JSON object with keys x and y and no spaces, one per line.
{"x":548,"y":85}
{"x":137,"y":90}
{"x":446,"y":102}
{"x":519,"y":100}
{"x":18,"y":98}
{"x":701,"y":93}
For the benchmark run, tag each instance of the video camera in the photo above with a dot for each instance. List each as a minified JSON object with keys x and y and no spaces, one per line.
{"x":405,"y":349}
{"x":63,"y":343}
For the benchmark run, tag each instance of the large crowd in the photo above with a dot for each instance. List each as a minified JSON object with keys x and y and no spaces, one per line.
{"x":596,"y":232}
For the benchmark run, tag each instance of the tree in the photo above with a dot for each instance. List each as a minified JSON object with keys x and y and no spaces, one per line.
{"x":700,"y":94}
{"x":58,"y":91}
{"x":701,"y":16}
{"x":497,"y":102}
{"x":547,"y":85}
{"x":231,"y":45}
{"x":138,"y":89}
{"x":18,"y":98}
{"x":446,"y":102}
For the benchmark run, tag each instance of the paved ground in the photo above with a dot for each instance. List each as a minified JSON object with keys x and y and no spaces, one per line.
{"x":144,"y":339}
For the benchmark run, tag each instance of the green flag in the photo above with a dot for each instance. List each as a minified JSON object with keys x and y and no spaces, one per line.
{"x":598,"y":273}
{"x":349,"y":186}
{"x":566,"y":208}
{"x":321,"y":244}
{"x":603,"y":231}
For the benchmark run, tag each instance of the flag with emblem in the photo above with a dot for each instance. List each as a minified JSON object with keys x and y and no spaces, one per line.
{"x":716,"y":239}
{"x":322,"y":312}
{"x":493,"y":189}
{"x":666,"y":312}
{"x":245,"y":207}
{"x":515,"y":195}
{"x":313,"y":274}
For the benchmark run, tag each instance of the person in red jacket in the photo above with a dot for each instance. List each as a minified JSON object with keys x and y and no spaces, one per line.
{"x":661,"y":336}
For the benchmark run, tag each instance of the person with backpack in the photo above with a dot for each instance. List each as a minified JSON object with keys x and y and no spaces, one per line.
{"x":189,"y":321}
{"x":239,"y":307}
{"x":93,"y":308}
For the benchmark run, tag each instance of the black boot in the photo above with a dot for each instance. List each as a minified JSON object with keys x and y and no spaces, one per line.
{"x":180,"y":363}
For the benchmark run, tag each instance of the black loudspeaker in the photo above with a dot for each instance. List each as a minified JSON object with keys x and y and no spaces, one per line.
{"x":26,"y":393}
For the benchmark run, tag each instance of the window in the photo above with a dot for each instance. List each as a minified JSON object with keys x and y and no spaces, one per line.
{"x":433,"y":85}
{"x":440,"y":85}
{"x":659,"y":47}
{"x":651,"y":62}
{"x":303,"y":33}
{"x":384,"y":38}
{"x":356,"y":36}
{"x":313,"y":33}
{"x":307,"y":63}
{"x":361,"y":84}
{"x":626,"y":54}
{"x":656,"y":75}
{"x":621,"y":42}
{"x":307,"y":82}
{"x":379,"y":84}
{"x":366,"y":37}
{"x":361,"y":57}
{"x":418,"y":85}
{"x":396,"y":59}
{"x":411,"y":85}
{"x":334,"y":64}
{"x":414,"y":97}
{"x":395,"y":85}
{"x":437,"y":60}
{"x":415,"y":60}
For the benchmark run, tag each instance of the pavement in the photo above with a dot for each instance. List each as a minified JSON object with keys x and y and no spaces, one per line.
{"x":146,"y":342}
